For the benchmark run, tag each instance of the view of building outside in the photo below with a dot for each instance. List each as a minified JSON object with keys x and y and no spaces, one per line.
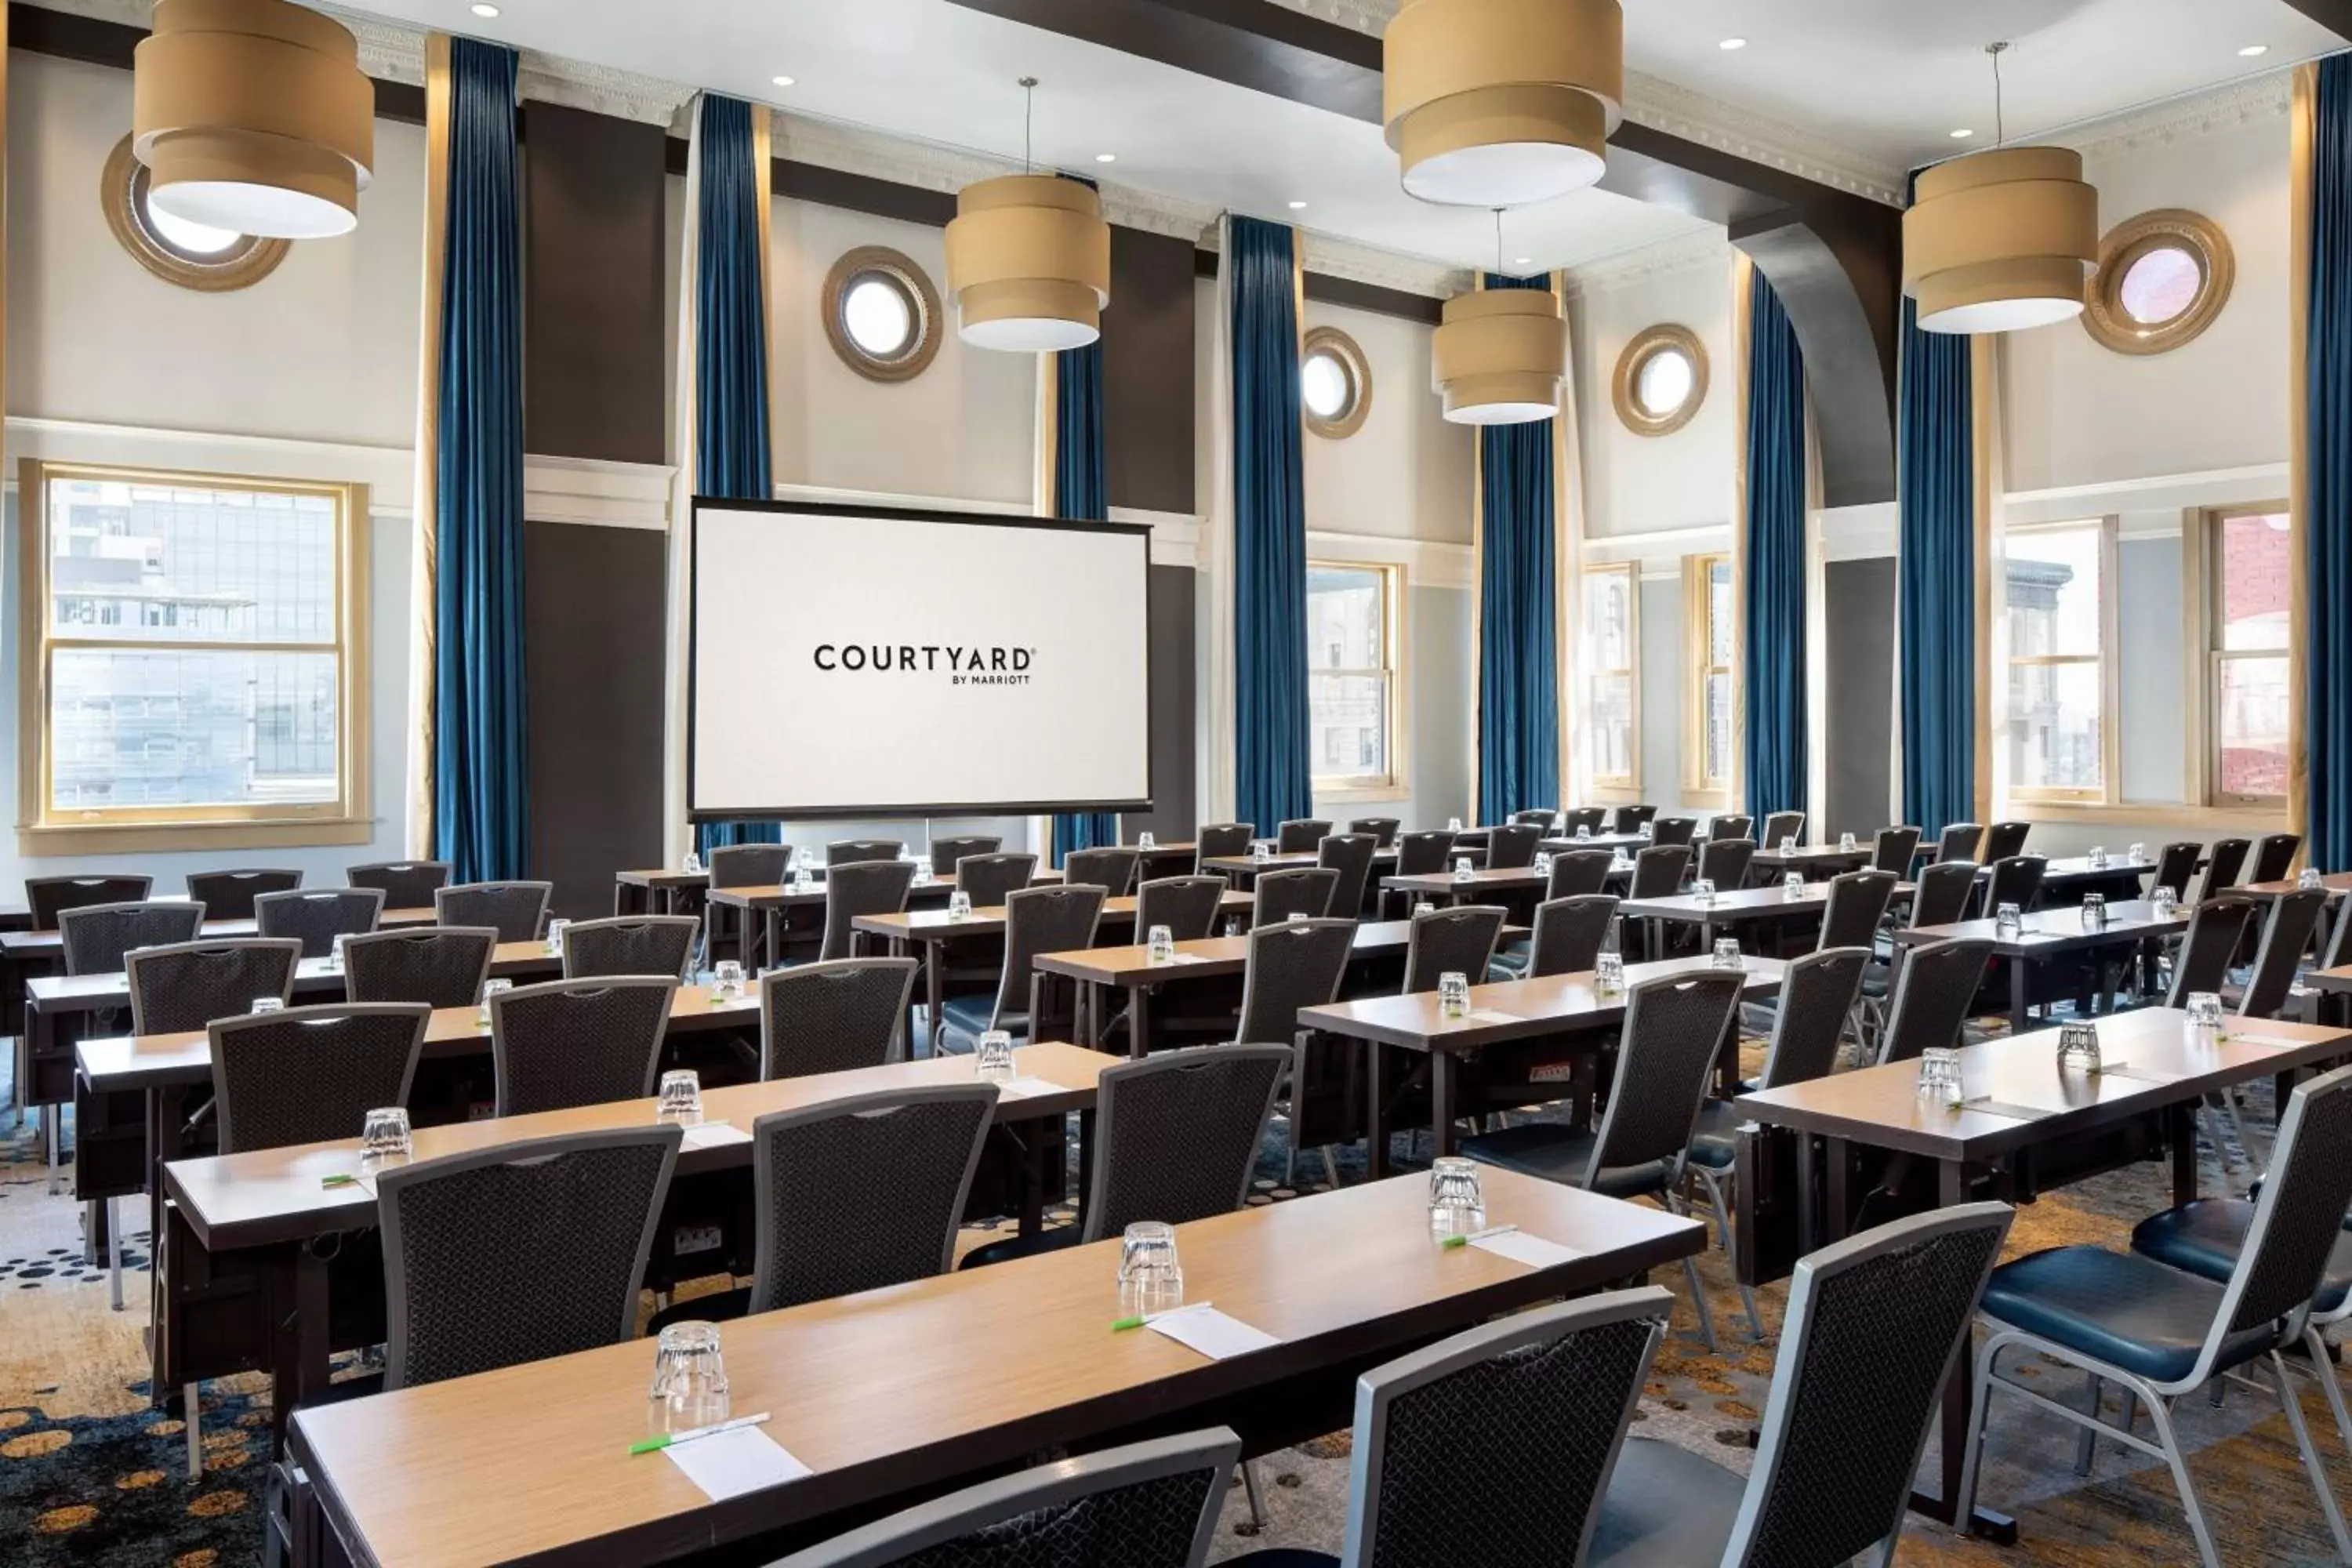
{"x":2056,"y":685}
{"x":1608,"y":670}
{"x":2251,"y":634}
{"x":1347,"y":673}
{"x":193,"y":656}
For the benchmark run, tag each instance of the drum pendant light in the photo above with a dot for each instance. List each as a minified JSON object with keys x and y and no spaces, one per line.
{"x":1498,"y":103}
{"x":1501,"y":355}
{"x":253,"y":115}
{"x":1029,"y":261}
{"x":2001,"y":241}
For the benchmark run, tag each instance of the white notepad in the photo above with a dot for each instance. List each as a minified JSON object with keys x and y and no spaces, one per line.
{"x":713,"y":1135}
{"x":1212,"y":1333}
{"x":1532,"y":1250}
{"x":729,"y":1464}
{"x":1028,"y":1084}
{"x":2277,"y":1042}
{"x":1489,"y":1015}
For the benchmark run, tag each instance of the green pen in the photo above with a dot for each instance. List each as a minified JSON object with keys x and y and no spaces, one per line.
{"x":1454,"y":1241}
{"x":659,"y":1441}
{"x":1121,"y":1325}
{"x":338,"y":1180}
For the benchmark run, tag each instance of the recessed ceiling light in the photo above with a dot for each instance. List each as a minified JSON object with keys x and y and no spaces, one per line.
{"x":781,"y":80}
{"x":486,"y":10}
{"x":1962,"y":134}
{"x":2250,"y":51}
{"x":1296,"y":207}
{"x":1523,"y":261}
{"x":1105,"y":157}
{"x":1732,"y":44}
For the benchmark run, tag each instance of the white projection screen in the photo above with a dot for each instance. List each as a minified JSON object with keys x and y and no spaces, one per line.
{"x":864,"y":662}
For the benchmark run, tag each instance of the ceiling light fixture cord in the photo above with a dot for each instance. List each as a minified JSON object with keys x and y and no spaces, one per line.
{"x":1499,"y":242}
{"x":2000,"y":123}
{"x":1028,"y":121}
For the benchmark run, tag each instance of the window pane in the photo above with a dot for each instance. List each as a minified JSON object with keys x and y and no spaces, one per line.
{"x":148,"y":728}
{"x":2255,"y":570}
{"x":167,"y":563}
{"x":1348,"y":715}
{"x":1612,"y":726}
{"x":1718,"y":610}
{"x":2053,"y":726}
{"x":1345,"y":615}
{"x":2251,"y":725}
{"x":1718,"y":727}
{"x":2054,"y":592}
{"x":1609,"y":619}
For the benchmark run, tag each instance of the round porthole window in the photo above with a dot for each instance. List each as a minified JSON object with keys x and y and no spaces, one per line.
{"x":881,"y":314}
{"x":2162,"y":280}
{"x":1335,"y":384}
{"x":1660,"y":381}
{"x":192,"y":255}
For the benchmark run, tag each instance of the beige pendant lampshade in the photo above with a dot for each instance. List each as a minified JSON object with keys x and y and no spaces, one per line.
{"x":253,"y":115}
{"x":1999,"y":241}
{"x":1499,"y":356}
{"x":1029,"y":263}
{"x":1498,"y":103}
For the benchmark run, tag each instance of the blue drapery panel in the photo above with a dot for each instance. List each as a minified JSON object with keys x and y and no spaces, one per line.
{"x":1936,"y":497}
{"x":1518,"y":622}
{"x":1080,"y":491}
{"x":2328,"y":517}
{"x":481,"y":782}
{"x":731,"y":348}
{"x":1775,"y":739}
{"x":1271,"y":780}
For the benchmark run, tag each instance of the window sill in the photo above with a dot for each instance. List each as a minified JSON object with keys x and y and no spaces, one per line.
{"x":1700,"y":797}
{"x":2154,"y":813}
{"x":1353,"y":794}
{"x":163,"y":837}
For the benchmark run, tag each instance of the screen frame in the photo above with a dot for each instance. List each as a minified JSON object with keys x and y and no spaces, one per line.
{"x":1140,"y":533}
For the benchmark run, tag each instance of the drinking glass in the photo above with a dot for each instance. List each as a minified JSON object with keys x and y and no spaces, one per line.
{"x":1260,"y":852}
{"x":1232,"y":925}
{"x":1788,"y":845}
{"x":693,"y":864}
{"x":1163,"y":944}
{"x":801,"y":880}
{"x":1150,"y":1276}
{"x":958,"y":905}
{"x":1543,"y":867}
{"x":1619,"y":861}
{"x":2098,"y":856}
{"x":1646,"y":832}
{"x":731,"y":979}
{"x":2078,"y":1047}
{"x":265,"y":1004}
{"x":1453,"y":825}
{"x":2308,"y":877}
{"x":555,"y":930}
{"x":2204,"y":1010}
{"x":1583,"y":833}
{"x":992,"y":1058}
{"x":2164,"y":901}
{"x":2138,"y":852}
{"x":681,"y":1096}
{"x":1793,"y":885}
{"x":922,"y":874}
{"x":335,"y":956}
{"x":1607,"y":974}
{"x":1454,"y":1185}
{"x":2094,"y":912}
{"x":1846,"y":845}
{"x":1702,"y":889}
{"x":1463,"y":869}
{"x":1294,"y":915}
{"x":383,"y":1135}
{"x":1939,"y":1075}
{"x":1422,"y":906}
{"x":2008,"y":921}
{"x":1144,"y":840}
{"x":1452,"y":994}
{"x":490,"y":988}
{"x":1727,"y":953}
{"x":689,"y":1386}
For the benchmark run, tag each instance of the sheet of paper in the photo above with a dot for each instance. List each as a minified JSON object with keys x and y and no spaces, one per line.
{"x":729,"y":1464}
{"x":712,"y":1134}
{"x":1212,"y":1333}
{"x":1028,"y":1084}
{"x":1991,"y":1106}
{"x":2276,"y":1042}
{"x":1532,"y":1250}
{"x":1490,"y":1015}
{"x":1177,"y":958}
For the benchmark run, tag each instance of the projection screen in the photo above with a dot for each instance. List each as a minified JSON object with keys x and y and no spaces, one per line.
{"x":848,"y":661}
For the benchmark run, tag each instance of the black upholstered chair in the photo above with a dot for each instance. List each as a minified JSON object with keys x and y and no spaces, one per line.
{"x":854,"y":888}
{"x":1457,"y":941}
{"x":2216,"y":927}
{"x":2163,"y":1321}
{"x":1658,"y":871}
{"x":1958,"y":841}
{"x":833,"y":1017}
{"x":1875,"y":1324}
{"x":1147,"y":1505}
{"x":1475,"y":1449}
{"x":1724,"y":861}
{"x":1568,"y":934}
{"x":1383,"y":829}
{"x":578,"y":1042}
{"x":520,"y":1252}
{"x":518,"y":910}
{"x":229,"y":895}
{"x":1894,"y":849}
{"x":630,"y":945}
{"x":1674,"y":829}
{"x":317,"y":917}
{"x":1512,"y":846}
{"x":2176,"y":864}
{"x":946,"y":854}
{"x":2015,"y":880}
{"x":307,"y":1075}
{"x":2223,"y":861}
{"x":405,"y":884}
{"x":2286,"y":935}
{"x":1111,"y":869}
{"x":1302,"y":891}
{"x":1731,"y":824}
{"x":1629,"y":818}
{"x":2273,"y":854}
{"x":2003,"y":839}
{"x":851,"y":851}
{"x":1674,"y":1030}
{"x":1299,"y":836}
{"x":1784,"y":825}
{"x":1933,"y":992}
{"x":1941,"y":896}
{"x":1588,"y":818}
{"x":1187,"y":906}
{"x":1297,"y":964}
{"x":1036,"y":920}
{"x":1351,"y":854}
{"x":95,"y":936}
{"x":1220,"y":840}
{"x":1857,"y":902}
{"x":988,"y":878}
{"x":1421,"y":854}
{"x":189,"y":984}
{"x":45,"y":898}
{"x":441,"y":966}
{"x":1534,"y":816}
{"x":749,"y":865}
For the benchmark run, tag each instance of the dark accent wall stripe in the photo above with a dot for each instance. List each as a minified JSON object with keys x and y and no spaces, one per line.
{"x":1148,"y":429}
{"x":1326,"y":289}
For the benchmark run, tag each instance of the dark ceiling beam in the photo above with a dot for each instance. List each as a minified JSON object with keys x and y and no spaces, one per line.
{"x":2336,"y":15}
{"x":1834,"y":257}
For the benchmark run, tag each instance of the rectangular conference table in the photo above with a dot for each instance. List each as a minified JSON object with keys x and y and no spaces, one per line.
{"x":777,"y":902}
{"x":1500,"y":1013}
{"x":259,"y":1216}
{"x":2335,"y":884}
{"x":896,"y":1395}
{"x":2047,"y":934}
{"x":1244,"y":869}
{"x":1736,"y":908}
{"x":1865,"y":1149}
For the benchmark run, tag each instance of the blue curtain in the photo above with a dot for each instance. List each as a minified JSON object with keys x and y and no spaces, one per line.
{"x":1080,"y":491}
{"x":482,"y":780}
{"x":730,"y":349}
{"x":1775,"y":739}
{"x":1936,"y":500}
{"x":1271,"y":780}
{"x":1519,"y":664}
{"x":2327,"y":660}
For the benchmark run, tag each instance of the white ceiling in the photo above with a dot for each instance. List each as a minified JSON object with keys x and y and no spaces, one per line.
{"x":1871,"y":85}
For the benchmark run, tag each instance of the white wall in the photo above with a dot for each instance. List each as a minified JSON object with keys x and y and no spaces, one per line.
{"x":1407,"y":473}
{"x":1645,"y":484}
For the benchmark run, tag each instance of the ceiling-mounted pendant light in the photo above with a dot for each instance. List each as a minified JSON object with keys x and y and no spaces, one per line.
{"x":2000,"y":240}
{"x":1498,"y":103}
{"x":253,"y":116}
{"x":1501,"y":355}
{"x":1029,"y":261}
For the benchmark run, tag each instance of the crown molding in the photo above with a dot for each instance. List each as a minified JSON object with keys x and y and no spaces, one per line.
{"x":2232,"y":106}
{"x":1696,"y":251}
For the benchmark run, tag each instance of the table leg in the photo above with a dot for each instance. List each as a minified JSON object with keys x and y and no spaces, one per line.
{"x":1086,"y":1164}
{"x":1809,"y":1225}
{"x":1837,"y":1210}
{"x":935,"y":992}
{"x":2018,"y":993}
{"x":298,"y":1334}
{"x":1033,"y":1179}
{"x":1441,"y":1102}
{"x":1376,"y":1114}
{"x":1951,"y":1188}
{"x":1138,"y":1021}
{"x":2181,"y":1127}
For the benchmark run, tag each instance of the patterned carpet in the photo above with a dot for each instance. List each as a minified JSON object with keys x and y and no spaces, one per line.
{"x":89,"y":1474}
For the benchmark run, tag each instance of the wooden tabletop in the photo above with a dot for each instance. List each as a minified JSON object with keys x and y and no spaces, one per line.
{"x":276,"y":1194}
{"x":2078,"y":868}
{"x":935,"y":925}
{"x":2047,"y":931}
{"x":312,"y":977}
{"x":1736,"y":904}
{"x":1446,"y":884}
{"x":1804,"y":855}
{"x":658,"y":877}
{"x":1213,"y":956}
{"x":1296,"y":860}
{"x":2337,"y":883}
{"x":1519,"y":1009}
{"x":23,"y":944}
{"x":2337,"y":979}
{"x":1880,"y":1106}
{"x":1556,"y":845}
{"x":937,"y":1380}
{"x":783,"y":895}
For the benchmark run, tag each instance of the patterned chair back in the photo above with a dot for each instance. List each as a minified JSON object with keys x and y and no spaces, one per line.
{"x":441,"y":966}
{"x":578,"y":1042}
{"x":833,"y":1016}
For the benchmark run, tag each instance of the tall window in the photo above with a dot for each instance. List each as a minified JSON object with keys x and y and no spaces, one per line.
{"x":2057,"y":596}
{"x":2249,"y":568}
{"x":193,"y":653}
{"x":1612,"y":647}
{"x":1351,"y":663}
{"x":1707,"y":621}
